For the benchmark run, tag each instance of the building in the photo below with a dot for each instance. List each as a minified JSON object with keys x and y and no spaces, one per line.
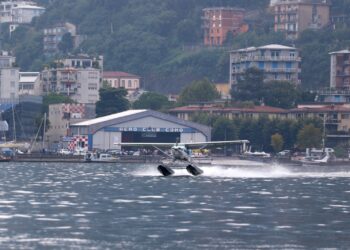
{"x":295,"y":16}
{"x":336,"y":117}
{"x":78,"y":77}
{"x":219,"y":21}
{"x":9,"y":77}
{"x":278,"y":62}
{"x":224,"y":90}
{"x":332,"y":96}
{"x":136,"y":126}
{"x":188,"y":112}
{"x":336,"y":120}
{"x":61,"y":116}
{"x":118,"y":79}
{"x":53,"y":36}
{"x":30,"y":84}
{"x":340,"y":70}
{"x":24,"y":13}
{"x":19,"y":12}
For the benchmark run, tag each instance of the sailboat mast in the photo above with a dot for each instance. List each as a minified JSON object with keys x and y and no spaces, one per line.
{"x":44,"y":130}
{"x":14,"y":124}
{"x":324,"y":132}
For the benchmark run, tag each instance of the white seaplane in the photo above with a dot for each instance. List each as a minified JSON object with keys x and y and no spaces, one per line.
{"x":180,"y":154}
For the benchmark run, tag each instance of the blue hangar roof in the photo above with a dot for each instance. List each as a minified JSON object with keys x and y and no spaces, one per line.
{"x":97,"y":124}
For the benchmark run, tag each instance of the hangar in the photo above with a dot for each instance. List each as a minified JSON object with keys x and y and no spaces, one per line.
{"x":136,"y":126}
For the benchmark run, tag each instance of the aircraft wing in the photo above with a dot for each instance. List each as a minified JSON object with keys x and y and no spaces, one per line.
{"x":144,"y":144}
{"x":189,"y":145}
{"x":213,"y":143}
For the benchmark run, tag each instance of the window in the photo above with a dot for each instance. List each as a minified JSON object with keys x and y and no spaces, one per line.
{"x":123,"y":83}
{"x":92,"y":86}
{"x":261,"y":65}
{"x":275,"y":53}
{"x":129,"y":84}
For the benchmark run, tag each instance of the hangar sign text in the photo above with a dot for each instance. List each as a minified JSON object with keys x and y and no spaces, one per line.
{"x":149,"y":129}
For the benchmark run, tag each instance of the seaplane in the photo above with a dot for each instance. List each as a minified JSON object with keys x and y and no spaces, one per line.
{"x":180,"y":154}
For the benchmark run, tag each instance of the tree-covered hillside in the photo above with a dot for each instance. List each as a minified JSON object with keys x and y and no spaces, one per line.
{"x":161,"y":40}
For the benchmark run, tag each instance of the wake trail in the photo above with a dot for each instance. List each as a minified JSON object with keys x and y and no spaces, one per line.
{"x":262,"y":171}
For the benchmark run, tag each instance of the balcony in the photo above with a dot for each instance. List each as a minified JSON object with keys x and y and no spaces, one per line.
{"x":68,"y":91}
{"x":70,"y":79}
{"x":333,"y":121}
{"x":267,"y":58}
{"x":282,"y":70}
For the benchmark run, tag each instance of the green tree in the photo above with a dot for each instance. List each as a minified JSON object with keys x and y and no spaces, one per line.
{"x":341,"y":152}
{"x":280,"y":94}
{"x":250,"y":86}
{"x":277,"y":142}
{"x":186,"y":31}
{"x":309,"y":137}
{"x":305,"y":96}
{"x":152,"y":100}
{"x":66,"y":44}
{"x":224,"y":129}
{"x":111,"y":101}
{"x":197,"y":92}
{"x":54,"y":98}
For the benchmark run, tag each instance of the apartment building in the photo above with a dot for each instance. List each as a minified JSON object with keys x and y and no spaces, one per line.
{"x":295,"y":16}
{"x":19,"y":12}
{"x":118,"y":79}
{"x":9,"y":77}
{"x":219,"y":21}
{"x":61,"y":116}
{"x":53,"y":36}
{"x":340,"y":70}
{"x":78,"y":77}
{"x":279,"y":62}
{"x":30,"y":84}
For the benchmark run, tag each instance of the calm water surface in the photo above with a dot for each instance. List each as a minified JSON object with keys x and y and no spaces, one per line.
{"x":108,"y":206}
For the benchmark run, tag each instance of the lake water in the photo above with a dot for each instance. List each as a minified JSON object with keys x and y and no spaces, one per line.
{"x":109,"y":206}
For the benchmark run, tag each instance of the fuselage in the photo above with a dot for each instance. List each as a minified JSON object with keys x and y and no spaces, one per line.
{"x":180,"y":152}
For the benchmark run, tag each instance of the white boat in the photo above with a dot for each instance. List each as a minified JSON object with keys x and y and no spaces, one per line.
{"x":317,"y":156}
{"x":256,"y":156}
{"x":99,"y":157}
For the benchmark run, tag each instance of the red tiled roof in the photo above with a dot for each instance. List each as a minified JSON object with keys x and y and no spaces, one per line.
{"x":112,"y":74}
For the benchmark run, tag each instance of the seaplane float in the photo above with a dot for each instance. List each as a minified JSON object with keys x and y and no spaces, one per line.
{"x":180,"y":154}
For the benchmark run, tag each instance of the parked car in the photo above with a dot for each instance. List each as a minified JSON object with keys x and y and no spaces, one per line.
{"x":284,"y":153}
{"x":64,"y":151}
